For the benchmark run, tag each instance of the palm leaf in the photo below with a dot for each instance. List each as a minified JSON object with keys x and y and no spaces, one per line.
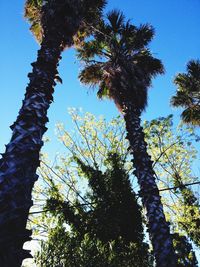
{"x":181,"y":99}
{"x":144,"y":35}
{"x":191,"y":115}
{"x":32,"y":13}
{"x":116,"y":20}
{"x":89,"y":50}
{"x":193,"y":68}
{"x":91,"y":74}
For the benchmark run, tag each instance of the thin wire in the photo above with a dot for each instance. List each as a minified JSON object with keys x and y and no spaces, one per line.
{"x":175,"y":187}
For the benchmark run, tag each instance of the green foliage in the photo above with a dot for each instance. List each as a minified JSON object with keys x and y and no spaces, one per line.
{"x":71,"y":251}
{"x":108,"y":233}
{"x":174,"y":154}
{"x":116,"y":210}
{"x":102,"y":223}
{"x":188,"y":93}
{"x":86,"y":184}
{"x":92,"y":138}
{"x":184,"y":251}
{"x":118,"y":60}
{"x":172,"y":149}
{"x":188,"y":218}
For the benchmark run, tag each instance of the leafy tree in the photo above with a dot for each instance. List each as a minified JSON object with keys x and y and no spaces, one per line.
{"x":188,"y":93}
{"x":120,"y":64}
{"x":173,"y":153}
{"x":58,"y":22}
{"x":91,"y":140}
{"x":108,"y":232}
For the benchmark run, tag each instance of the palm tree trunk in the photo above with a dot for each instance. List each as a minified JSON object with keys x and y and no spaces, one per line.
{"x":157,"y":226}
{"x":19,"y":163}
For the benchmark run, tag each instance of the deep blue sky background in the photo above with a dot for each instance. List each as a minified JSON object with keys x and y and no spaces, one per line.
{"x":177,"y":40}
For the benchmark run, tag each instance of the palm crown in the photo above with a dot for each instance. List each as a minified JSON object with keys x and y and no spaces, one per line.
{"x":118,"y":60}
{"x":62,"y":13}
{"x":188,"y":93}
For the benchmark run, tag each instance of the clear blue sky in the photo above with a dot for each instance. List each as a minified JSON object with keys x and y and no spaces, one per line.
{"x":177,"y":40}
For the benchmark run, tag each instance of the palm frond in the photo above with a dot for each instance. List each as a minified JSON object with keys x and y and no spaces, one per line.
{"x":93,"y":10}
{"x":92,"y":13}
{"x":181,"y":99}
{"x":89,"y":50}
{"x":183,"y":81}
{"x":148,"y":64}
{"x":191,"y":115}
{"x":32,"y":9}
{"x":115,"y":20}
{"x":32,"y":12}
{"x":144,"y":35}
{"x":91,"y":74}
{"x":193,"y":68}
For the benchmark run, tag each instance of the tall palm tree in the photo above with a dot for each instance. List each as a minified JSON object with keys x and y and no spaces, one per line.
{"x":120,"y":64}
{"x":188,"y":93}
{"x":58,"y":23}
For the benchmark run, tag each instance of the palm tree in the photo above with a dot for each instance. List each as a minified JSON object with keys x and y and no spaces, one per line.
{"x":58,"y":23}
{"x":188,"y":93}
{"x":118,"y":61}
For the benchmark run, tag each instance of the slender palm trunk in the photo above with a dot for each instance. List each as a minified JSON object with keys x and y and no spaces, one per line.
{"x":157,"y":226}
{"x":19,"y":162}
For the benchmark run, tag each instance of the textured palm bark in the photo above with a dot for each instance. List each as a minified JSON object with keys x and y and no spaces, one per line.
{"x":157,"y":226}
{"x":19,"y":162}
